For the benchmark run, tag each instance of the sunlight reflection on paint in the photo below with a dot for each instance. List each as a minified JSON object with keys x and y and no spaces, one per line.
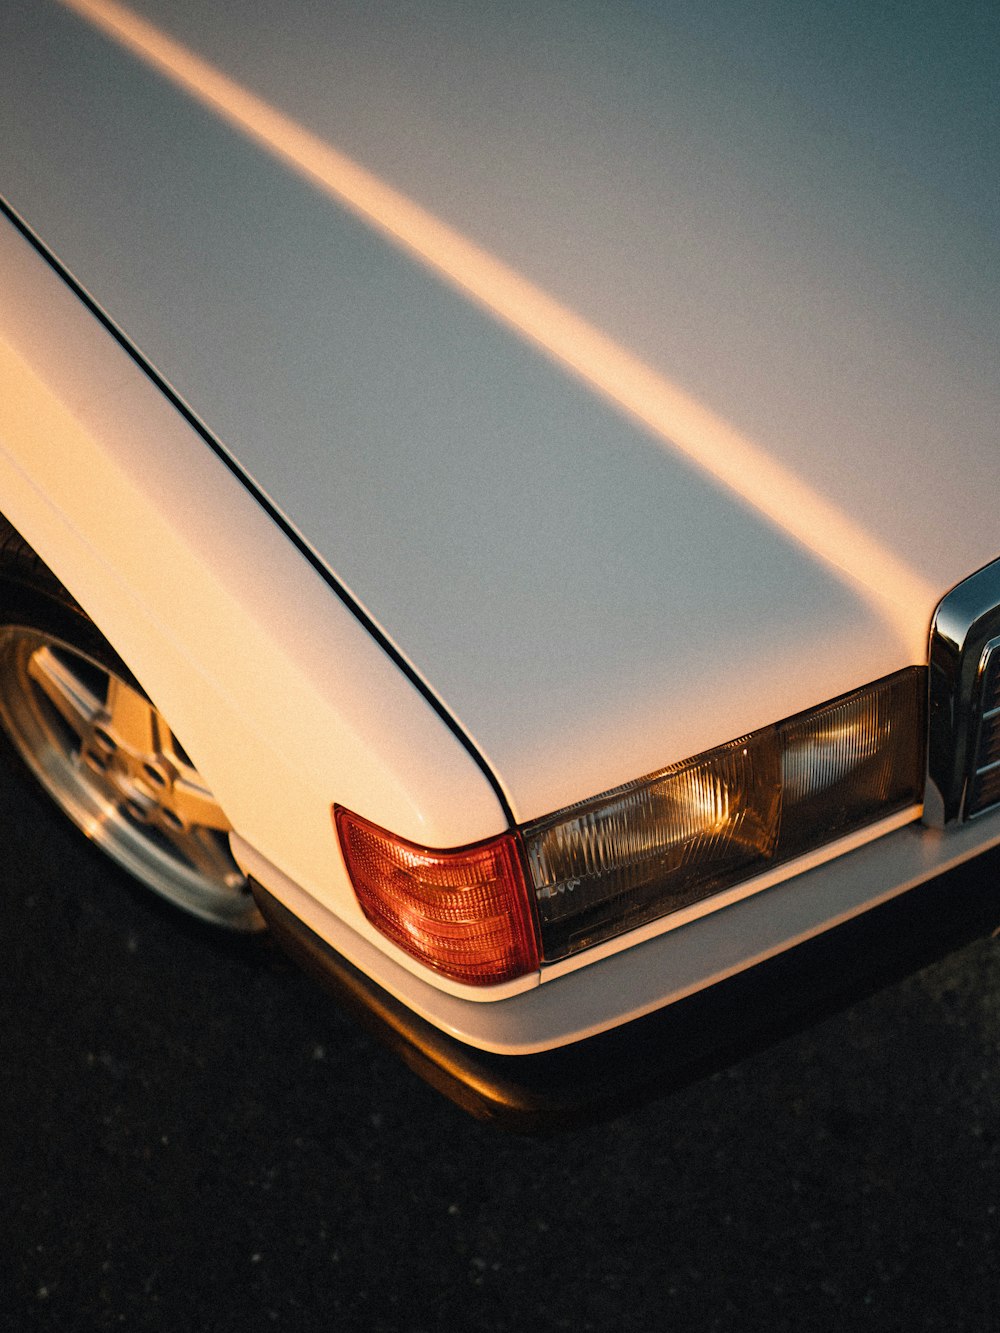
{"x":677,"y":419}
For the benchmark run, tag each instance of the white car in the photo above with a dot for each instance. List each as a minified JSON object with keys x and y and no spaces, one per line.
{"x":507,"y":494}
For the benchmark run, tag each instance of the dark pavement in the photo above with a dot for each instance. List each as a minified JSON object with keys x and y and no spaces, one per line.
{"x":193,"y":1138}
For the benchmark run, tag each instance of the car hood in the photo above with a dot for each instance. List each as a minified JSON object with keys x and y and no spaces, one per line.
{"x":635,"y":371}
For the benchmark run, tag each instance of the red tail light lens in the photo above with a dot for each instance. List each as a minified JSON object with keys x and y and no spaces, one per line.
{"x":466,"y":913}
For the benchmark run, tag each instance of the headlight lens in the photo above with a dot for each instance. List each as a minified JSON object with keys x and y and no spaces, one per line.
{"x":656,"y":845}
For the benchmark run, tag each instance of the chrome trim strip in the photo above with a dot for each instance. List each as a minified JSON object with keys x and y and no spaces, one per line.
{"x":966,"y":621}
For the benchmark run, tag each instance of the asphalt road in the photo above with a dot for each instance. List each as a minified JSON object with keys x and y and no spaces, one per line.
{"x":193,"y":1138}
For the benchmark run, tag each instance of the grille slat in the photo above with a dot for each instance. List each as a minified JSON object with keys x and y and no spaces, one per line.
{"x":985,"y":790}
{"x":989,"y":743}
{"x":991,"y":685}
{"x":984,"y":783}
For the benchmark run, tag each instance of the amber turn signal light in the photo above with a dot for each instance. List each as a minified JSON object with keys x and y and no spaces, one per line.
{"x":467,"y":913}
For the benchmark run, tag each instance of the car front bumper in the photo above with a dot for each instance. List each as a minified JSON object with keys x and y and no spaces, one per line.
{"x":681,"y":1042}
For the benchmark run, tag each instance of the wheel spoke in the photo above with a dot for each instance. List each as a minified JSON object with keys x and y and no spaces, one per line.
{"x":172,"y":750}
{"x":194,"y":805}
{"x":131,"y":718}
{"x":204,"y":851}
{"x":68,"y":694}
{"x":100,"y":783}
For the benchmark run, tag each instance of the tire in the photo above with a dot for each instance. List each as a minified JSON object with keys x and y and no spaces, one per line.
{"x":82,"y":724}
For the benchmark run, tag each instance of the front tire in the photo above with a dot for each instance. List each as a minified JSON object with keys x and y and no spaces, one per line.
{"x":108,"y":758}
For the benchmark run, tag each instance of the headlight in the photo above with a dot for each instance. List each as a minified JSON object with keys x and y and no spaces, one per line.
{"x":680,"y":835}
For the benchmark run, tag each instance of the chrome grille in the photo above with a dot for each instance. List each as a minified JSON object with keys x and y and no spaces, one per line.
{"x":984,"y":776}
{"x":963,"y":736}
